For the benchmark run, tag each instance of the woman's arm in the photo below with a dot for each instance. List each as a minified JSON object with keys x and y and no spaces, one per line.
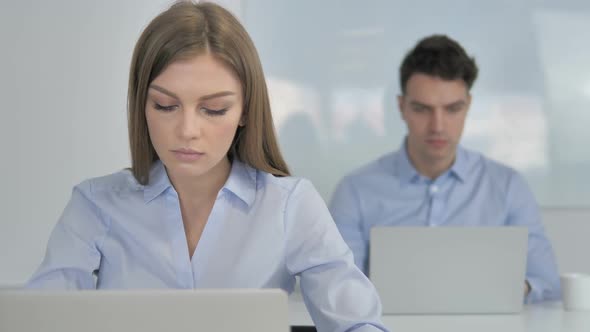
{"x":338,"y":296}
{"x":73,"y":257}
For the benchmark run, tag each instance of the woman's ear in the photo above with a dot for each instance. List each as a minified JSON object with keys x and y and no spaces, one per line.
{"x":242,"y":121}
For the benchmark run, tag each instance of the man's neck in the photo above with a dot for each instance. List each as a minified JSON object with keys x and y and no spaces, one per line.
{"x":431,"y":169}
{"x":435,"y":170}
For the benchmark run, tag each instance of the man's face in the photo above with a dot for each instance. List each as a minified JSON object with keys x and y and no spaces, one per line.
{"x":434,"y":111}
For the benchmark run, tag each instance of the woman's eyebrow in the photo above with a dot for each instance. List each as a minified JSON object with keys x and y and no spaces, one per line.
{"x":206,"y":97}
{"x":164,"y":91}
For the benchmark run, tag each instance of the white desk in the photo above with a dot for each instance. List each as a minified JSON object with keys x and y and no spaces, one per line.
{"x":545,"y":317}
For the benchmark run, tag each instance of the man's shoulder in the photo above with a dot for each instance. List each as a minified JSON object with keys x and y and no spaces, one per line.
{"x":498,"y":169}
{"x":378,"y":168}
{"x":498,"y":174}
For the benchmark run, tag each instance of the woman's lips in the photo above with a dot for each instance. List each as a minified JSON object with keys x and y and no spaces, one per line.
{"x":187,"y":154}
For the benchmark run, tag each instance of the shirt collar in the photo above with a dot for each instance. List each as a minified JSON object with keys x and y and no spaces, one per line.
{"x":460,"y":166}
{"x":405,"y":171}
{"x":158,"y":181}
{"x":241,"y":182}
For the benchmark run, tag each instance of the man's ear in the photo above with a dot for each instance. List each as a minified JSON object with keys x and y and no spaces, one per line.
{"x":400,"y":105}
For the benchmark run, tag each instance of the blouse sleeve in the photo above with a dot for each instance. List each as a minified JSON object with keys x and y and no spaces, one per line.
{"x":73,"y":257}
{"x":338,"y":296}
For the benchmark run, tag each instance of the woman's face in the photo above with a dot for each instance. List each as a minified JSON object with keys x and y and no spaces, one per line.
{"x":193,"y":110}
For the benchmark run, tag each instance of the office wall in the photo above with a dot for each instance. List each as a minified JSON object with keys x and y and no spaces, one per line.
{"x":568,"y":230}
{"x":332,"y":72}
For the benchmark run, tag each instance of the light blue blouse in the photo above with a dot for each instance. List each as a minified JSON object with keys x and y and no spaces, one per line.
{"x":262,"y":232}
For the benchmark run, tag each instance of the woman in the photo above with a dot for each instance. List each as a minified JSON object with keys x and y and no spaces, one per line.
{"x":208,"y":201}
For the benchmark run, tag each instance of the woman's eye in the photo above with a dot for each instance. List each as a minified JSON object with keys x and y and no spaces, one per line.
{"x":164,"y":108}
{"x":214,"y":112}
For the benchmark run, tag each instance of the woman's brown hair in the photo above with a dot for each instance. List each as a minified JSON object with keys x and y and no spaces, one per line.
{"x":189,"y":29}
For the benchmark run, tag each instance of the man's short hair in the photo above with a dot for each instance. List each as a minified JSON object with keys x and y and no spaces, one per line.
{"x":440,"y":56}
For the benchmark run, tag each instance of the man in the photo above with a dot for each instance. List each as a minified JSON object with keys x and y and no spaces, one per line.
{"x":431,"y":180}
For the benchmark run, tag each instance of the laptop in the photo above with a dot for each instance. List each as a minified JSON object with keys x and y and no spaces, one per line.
{"x":449,"y":270}
{"x":260,"y":310}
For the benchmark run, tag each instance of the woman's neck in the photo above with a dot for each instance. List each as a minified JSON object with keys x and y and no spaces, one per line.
{"x":205,"y":186}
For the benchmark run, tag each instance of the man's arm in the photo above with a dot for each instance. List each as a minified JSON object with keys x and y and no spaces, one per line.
{"x":542,"y":278}
{"x":345,"y":209}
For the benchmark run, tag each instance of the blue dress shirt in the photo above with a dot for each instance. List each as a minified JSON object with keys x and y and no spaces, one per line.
{"x":475,"y":191}
{"x":261,"y":233}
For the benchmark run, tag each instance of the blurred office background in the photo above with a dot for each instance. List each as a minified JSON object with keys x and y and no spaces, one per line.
{"x":332,"y":71}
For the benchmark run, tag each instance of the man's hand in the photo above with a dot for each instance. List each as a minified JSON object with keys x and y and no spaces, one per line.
{"x":527,"y":288}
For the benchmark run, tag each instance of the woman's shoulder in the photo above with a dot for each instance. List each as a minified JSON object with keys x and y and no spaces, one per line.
{"x":287,"y":184}
{"x":117,"y":182}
